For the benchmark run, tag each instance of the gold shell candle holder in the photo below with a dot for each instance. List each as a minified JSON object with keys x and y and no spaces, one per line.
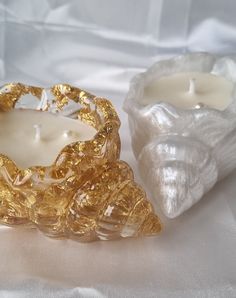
{"x":87,"y":193}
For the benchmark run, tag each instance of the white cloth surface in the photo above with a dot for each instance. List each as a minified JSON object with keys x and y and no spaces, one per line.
{"x":99,"y":46}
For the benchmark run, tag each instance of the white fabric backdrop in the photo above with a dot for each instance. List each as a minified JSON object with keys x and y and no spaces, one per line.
{"x":99,"y":46}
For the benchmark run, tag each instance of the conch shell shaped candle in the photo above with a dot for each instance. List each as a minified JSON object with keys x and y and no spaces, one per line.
{"x":87,"y":193}
{"x":182,"y":153}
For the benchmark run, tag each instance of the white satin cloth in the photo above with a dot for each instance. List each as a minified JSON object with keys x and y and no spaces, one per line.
{"x":99,"y":46}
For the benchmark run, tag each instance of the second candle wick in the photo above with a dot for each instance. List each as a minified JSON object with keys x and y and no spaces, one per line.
{"x":37,"y":135}
{"x":192,"y":86}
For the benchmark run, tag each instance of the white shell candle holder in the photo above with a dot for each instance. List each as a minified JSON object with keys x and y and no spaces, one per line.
{"x":182,"y":152}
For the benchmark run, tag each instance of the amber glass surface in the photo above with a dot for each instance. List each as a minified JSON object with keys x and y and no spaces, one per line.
{"x":87,"y":193}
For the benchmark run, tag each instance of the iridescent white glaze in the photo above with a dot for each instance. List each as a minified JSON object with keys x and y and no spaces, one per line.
{"x":182,"y":153}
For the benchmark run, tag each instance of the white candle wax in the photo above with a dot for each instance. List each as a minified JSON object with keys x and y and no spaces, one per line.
{"x":187,"y":90}
{"x":35,"y":138}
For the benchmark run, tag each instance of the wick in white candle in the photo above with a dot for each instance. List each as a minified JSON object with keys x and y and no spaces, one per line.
{"x":66,"y":133}
{"x":192,"y":86}
{"x":37,"y":136}
{"x":70,"y":134}
{"x":199,"y":105}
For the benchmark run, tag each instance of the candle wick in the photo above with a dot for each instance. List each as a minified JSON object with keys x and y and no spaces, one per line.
{"x":37,"y":135}
{"x":66,"y":133}
{"x":192,"y":86}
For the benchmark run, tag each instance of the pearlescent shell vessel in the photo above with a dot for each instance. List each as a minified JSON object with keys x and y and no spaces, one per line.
{"x":182,"y":153}
{"x":87,"y":193}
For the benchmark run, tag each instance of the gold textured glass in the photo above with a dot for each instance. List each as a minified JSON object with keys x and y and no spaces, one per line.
{"x":87,"y":193}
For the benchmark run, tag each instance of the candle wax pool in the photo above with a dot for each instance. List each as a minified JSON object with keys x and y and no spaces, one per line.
{"x":35,"y":138}
{"x":187,"y":90}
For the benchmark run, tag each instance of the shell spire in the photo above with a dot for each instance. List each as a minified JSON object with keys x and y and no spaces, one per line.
{"x":112,"y":205}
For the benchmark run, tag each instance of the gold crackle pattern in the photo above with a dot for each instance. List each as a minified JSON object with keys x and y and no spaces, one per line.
{"x":87,"y":193}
